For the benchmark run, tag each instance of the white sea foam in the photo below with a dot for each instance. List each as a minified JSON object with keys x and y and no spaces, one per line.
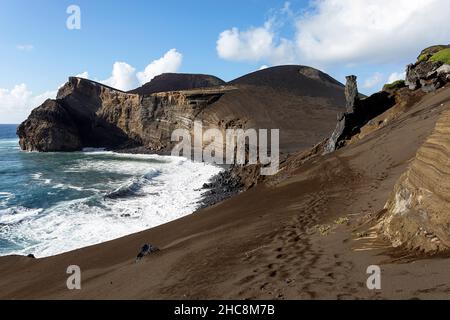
{"x":38,"y":178}
{"x":167,"y":188}
{"x":6,"y":194}
{"x":14,"y":215}
{"x":69,"y":186}
{"x":5,"y":197}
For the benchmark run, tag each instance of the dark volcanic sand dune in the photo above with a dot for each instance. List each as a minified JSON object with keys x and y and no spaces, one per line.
{"x":300,"y":101}
{"x":298,"y":80}
{"x":178,"y":81}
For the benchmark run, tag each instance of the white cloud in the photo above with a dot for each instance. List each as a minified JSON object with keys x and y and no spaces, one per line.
{"x":373,"y":80}
{"x":84,"y":75}
{"x":260,"y":43}
{"x":123,"y":77}
{"x":25,"y":47}
{"x":264,"y":66}
{"x":170,"y":62}
{"x":370,"y":30}
{"x":17,"y":103}
{"x":255,"y":44}
{"x":336,"y":32}
{"x":396,"y":76}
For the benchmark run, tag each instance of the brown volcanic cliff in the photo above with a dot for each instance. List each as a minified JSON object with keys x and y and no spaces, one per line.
{"x":88,"y":114}
{"x":417,"y":214}
{"x":99,"y":116}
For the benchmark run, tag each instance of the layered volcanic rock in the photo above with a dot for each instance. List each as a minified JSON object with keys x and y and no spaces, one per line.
{"x":53,"y":127}
{"x":88,"y":114}
{"x":418,"y":212}
{"x":99,"y":116}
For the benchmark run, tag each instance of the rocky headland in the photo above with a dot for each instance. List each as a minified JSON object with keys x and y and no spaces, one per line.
{"x":300,"y":101}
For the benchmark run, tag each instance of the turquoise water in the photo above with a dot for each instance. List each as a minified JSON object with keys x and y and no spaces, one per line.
{"x":55,"y":202}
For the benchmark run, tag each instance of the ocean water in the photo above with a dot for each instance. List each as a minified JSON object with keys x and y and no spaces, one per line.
{"x":52,"y":203}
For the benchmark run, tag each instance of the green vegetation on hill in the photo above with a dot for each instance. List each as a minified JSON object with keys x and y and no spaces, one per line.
{"x":394,"y":85}
{"x":427,"y":53}
{"x":423,"y":57}
{"x":442,"y":56}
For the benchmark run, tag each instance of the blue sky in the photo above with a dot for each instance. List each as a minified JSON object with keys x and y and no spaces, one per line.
{"x":372,"y":39}
{"x":134,"y":31}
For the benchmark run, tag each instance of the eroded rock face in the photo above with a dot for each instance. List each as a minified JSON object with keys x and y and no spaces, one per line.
{"x":88,"y":114}
{"x":351,"y":98}
{"x":359,"y":112}
{"x":53,"y":129}
{"x":351,"y":93}
{"x":425,"y":74}
{"x":444,"y":71}
{"x":418,"y":212}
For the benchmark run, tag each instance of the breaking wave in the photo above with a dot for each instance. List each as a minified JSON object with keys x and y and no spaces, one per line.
{"x":57,"y":202}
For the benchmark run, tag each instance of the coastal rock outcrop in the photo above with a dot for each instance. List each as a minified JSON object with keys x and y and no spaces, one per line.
{"x":431,"y":71}
{"x":417,"y":215}
{"x":53,"y":127}
{"x":89,"y":114}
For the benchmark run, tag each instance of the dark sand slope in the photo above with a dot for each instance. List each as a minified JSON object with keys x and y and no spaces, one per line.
{"x":178,"y":81}
{"x":288,"y":239}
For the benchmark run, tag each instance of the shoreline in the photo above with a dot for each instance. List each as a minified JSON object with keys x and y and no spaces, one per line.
{"x":217,"y":188}
{"x":220,"y":187}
